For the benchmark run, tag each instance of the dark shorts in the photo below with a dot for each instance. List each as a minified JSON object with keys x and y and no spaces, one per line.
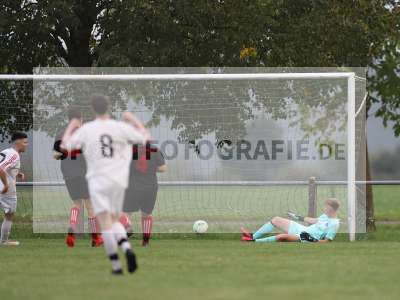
{"x":140,"y":199}
{"x":77,"y":188}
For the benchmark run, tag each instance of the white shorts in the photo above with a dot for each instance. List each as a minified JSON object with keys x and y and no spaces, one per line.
{"x":106,"y":195}
{"x":8,"y":204}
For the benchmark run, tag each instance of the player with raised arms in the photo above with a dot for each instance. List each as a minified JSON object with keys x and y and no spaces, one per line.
{"x":73,"y":168}
{"x":10,"y":166}
{"x":322,"y":229}
{"x":106,"y":146}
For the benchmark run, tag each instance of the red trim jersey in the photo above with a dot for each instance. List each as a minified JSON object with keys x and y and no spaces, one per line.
{"x":11,"y":164}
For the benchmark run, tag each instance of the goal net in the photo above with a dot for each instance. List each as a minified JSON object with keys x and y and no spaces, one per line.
{"x":240,"y":144}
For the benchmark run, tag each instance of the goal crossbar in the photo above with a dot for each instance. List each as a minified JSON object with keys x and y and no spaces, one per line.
{"x":144,"y":77}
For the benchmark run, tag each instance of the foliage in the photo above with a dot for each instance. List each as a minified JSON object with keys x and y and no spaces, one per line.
{"x":202,"y":33}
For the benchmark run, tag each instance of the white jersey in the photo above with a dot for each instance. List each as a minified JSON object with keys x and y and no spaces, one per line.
{"x":106,"y":146}
{"x":11,"y":164}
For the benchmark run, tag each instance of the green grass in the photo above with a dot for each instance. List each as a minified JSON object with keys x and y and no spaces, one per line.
{"x":182,"y":266}
{"x":206,"y":268}
{"x":387,"y":202}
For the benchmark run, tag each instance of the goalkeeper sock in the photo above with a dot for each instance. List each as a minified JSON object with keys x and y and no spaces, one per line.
{"x":110,"y":244}
{"x":270,"y":239}
{"x":5,"y":230}
{"x":120,"y":236}
{"x":266,"y":228}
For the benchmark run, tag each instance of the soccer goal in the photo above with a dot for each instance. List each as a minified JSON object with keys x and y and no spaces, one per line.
{"x":240,"y":146}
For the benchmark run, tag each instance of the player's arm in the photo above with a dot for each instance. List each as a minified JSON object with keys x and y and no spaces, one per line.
{"x":331,"y":233}
{"x":161,"y":165}
{"x":58,"y":153}
{"x":3,"y":178}
{"x":135,"y":122}
{"x":310,"y":221}
{"x":6,"y":163}
{"x":300,"y":218}
{"x":70,"y":139}
{"x":21,"y":176}
{"x":162,"y":168}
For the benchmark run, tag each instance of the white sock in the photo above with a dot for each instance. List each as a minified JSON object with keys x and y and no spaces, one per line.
{"x":5,"y":230}
{"x":120,"y":236}
{"x":111,"y":246}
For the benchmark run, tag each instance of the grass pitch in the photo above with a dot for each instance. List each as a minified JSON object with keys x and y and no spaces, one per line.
{"x":207,"y":267}
{"x":203,"y":268}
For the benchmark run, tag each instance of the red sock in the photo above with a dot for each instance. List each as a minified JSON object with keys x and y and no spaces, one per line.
{"x":124,"y":220}
{"x":147,"y":224}
{"x":94,"y":226}
{"x":73,"y":217}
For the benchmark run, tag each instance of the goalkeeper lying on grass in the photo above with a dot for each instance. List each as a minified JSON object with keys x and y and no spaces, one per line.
{"x":322,"y":229}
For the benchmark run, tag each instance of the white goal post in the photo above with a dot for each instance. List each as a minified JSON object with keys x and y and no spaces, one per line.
{"x":351,"y":107}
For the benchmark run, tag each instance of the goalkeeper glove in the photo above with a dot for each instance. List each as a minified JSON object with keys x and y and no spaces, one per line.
{"x":295,"y":217}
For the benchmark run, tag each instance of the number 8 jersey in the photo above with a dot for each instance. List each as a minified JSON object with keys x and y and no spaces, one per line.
{"x":106,"y":146}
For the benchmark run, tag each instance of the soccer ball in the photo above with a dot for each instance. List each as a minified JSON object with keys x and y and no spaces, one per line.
{"x":200,"y":226}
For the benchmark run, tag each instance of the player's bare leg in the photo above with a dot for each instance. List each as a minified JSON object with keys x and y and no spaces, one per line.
{"x":6,"y":229}
{"x":285,"y":237}
{"x":281,"y":223}
{"x":97,"y":240}
{"x":147,"y":225}
{"x":73,"y":221}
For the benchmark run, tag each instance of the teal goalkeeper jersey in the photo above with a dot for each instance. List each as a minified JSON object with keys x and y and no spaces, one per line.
{"x":325,"y":228}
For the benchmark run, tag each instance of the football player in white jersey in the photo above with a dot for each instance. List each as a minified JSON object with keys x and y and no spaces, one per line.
{"x":106,"y":146}
{"x":10,"y":165}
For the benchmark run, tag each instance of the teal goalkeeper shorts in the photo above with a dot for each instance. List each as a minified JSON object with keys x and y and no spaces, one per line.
{"x":296,"y":228}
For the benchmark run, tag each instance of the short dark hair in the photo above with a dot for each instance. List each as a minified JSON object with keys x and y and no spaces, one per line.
{"x":100,"y":104}
{"x":18,"y":135}
{"x":74,"y":113}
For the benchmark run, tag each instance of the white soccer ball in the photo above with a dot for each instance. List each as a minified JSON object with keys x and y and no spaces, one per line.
{"x":200,"y":226}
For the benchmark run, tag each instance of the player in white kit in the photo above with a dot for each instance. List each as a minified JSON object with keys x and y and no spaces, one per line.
{"x":106,"y":146}
{"x":10,"y":165}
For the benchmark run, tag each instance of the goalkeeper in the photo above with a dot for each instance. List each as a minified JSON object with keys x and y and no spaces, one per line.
{"x":322,"y":229}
